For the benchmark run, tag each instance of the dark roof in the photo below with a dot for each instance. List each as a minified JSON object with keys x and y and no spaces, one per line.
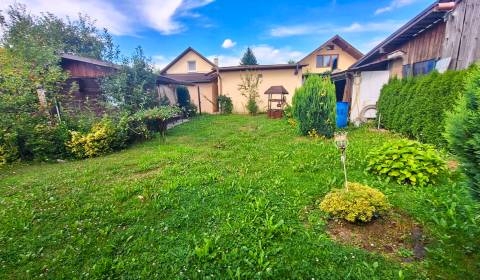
{"x":276,"y":90}
{"x":425,"y":20}
{"x":196,"y":78}
{"x":93,"y":61}
{"x":164,"y":80}
{"x":260,"y":67}
{"x":342,"y":43}
{"x":189,"y":49}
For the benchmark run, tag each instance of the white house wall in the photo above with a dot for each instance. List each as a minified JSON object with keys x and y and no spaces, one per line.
{"x":366,"y":91}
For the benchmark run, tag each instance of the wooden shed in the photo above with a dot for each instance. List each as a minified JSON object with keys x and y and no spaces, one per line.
{"x":85,"y":72}
{"x":443,"y":36}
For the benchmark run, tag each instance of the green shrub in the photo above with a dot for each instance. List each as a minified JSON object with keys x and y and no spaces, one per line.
{"x":190,"y":110}
{"x":463,"y":131}
{"x":225,"y":104}
{"x":314,"y":106}
{"x":157,"y":118}
{"x":183,"y":96}
{"x":359,"y":204}
{"x":252,"y":106}
{"x":407,"y":162}
{"x":417,"y":106}
{"x":101,"y":140}
{"x":8,"y":147}
{"x":248,"y":88}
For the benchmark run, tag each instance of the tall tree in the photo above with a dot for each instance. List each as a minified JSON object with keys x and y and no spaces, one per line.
{"x":32,"y":36}
{"x":248,"y":58}
{"x":133,"y":87}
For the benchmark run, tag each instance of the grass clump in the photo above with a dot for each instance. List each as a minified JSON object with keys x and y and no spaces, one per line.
{"x":406,"y":162}
{"x":357,"y":204}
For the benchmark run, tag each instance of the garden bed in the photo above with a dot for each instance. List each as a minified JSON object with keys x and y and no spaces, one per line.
{"x":395,"y":235}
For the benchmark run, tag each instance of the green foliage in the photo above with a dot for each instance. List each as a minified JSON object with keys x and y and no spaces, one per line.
{"x":250,"y":81}
{"x":183,"y":96}
{"x":225,"y":104}
{"x":417,"y":106}
{"x":406,"y":162}
{"x":190,"y":110}
{"x":133,"y":87}
{"x":184,"y":102}
{"x":357,"y":204}
{"x":248,"y":58}
{"x":22,"y":118}
{"x":463,"y":131}
{"x":314,"y":106}
{"x":157,"y":118}
{"x":102,"y":139}
{"x":37,"y":38}
{"x":29,"y":62}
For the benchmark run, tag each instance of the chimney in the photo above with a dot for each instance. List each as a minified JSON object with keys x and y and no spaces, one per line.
{"x":446,"y":6}
{"x":215,"y":61}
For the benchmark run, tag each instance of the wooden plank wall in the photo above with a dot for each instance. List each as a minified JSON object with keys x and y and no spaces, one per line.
{"x":79,"y":69}
{"x":427,"y":45}
{"x":462,"y":35}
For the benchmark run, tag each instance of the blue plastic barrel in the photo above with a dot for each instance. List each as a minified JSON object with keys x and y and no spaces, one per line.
{"x":342,"y":114}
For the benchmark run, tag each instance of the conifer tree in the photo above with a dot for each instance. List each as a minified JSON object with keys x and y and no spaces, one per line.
{"x":248,"y":58}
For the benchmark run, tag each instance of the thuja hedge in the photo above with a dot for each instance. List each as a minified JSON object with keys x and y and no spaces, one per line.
{"x":417,"y":106}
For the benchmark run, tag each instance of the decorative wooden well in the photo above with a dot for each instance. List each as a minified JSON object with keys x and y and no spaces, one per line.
{"x":276,"y":101}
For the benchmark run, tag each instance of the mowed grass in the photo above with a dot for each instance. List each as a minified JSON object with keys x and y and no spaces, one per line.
{"x":224,"y":197}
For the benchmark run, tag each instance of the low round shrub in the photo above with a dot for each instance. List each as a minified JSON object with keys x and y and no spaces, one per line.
{"x":99,"y":141}
{"x":407,"y":162}
{"x":225,"y":104}
{"x":357,"y":204}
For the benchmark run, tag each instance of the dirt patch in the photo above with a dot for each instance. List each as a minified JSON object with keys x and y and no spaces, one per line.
{"x":452,"y":165}
{"x":382,"y":130}
{"x":395,"y":235}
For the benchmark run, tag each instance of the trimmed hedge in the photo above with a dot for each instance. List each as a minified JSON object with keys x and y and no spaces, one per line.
{"x":463,"y":131}
{"x":417,"y":107}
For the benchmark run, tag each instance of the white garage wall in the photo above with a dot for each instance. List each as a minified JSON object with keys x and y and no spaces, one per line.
{"x":366,"y":91}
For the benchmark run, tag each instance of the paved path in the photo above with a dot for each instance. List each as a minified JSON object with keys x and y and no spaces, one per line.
{"x":179,"y":122}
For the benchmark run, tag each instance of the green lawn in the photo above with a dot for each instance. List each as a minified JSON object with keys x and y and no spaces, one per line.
{"x":224,"y":197}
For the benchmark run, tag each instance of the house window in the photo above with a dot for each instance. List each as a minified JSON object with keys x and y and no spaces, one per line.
{"x":192,"y":66}
{"x":424,"y":67}
{"x":419,"y":68}
{"x":330,"y":47}
{"x":327,"y":61}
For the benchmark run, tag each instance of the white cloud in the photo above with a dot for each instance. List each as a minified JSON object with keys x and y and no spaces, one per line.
{"x":369,"y":45}
{"x":121,"y":18}
{"x":286,"y":31}
{"x":395,"y":4}
{"x":317,"y":28}
{"x":228,"y":43}
{"x":160,"y":61}
{"x":226,"y":60}
{"x":265,"y":54}
{"x":104,"y":13}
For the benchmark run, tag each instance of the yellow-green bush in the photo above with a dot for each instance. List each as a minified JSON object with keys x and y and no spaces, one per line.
{"x":359,"y":204}
{"x":98,"y":141}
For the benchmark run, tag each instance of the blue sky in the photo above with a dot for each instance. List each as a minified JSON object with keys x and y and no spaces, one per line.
{"x":277,"y":30}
